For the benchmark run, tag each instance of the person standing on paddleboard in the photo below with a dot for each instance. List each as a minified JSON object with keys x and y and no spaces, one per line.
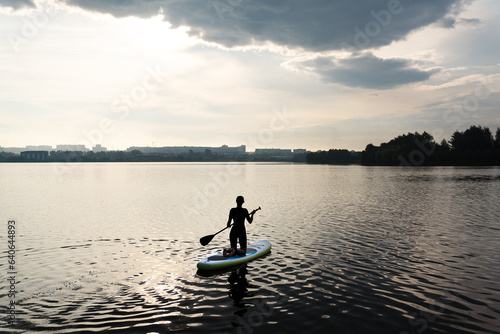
{"x":238,"y":232}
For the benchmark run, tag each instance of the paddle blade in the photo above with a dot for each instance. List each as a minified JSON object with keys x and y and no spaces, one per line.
{"x":206,"y":239}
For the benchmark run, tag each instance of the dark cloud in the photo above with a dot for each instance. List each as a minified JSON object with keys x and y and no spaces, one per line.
{"x":451,"y":22}
{"x":315,"y":25}
{"x":366,"y":71}
{"x":312,"y":25}
{"x":448,"y":22}
{"x":17,"y":4}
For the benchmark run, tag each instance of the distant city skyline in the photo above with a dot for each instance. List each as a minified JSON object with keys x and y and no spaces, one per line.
{"x":315,"y":74}
{"x":147,"y":149}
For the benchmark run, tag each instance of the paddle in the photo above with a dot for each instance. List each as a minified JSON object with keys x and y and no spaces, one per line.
{"x":206,"y":239}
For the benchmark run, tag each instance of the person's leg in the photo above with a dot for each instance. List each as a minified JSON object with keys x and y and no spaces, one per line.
{"x":233,"y":239}
{"x":243,"y":244}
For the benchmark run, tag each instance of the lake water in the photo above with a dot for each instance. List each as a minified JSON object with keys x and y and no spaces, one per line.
{"x":114,"y":247}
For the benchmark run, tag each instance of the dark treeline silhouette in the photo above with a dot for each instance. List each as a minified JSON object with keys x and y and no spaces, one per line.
{"x":333,"y":156}
{"x":138,"y":156}
{"x":7,"y":156}
{"x":475,"y":146}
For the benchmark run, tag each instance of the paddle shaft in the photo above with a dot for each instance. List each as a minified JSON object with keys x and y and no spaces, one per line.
{"x":225,"y":228}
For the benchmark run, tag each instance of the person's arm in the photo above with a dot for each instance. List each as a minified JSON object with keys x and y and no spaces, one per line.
{"x":230,"y":218}
{"x":250,"y":217}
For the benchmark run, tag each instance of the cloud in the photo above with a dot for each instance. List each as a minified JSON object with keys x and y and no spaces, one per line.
{"x":315,"y":25}
{"x":17,"y":4}
{"x":365,"y":71}
{"x":452,"y":22}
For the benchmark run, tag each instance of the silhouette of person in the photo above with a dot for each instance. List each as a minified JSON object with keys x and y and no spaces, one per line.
{"x":238,"y":231}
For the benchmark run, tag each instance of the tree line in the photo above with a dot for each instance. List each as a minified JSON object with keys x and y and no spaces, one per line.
{"x":138,"y":156}
{"x":333,"y":156}
{"x":475,"y":146}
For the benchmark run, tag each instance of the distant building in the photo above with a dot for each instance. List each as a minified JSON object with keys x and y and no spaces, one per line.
{"x":223,"y":150}
{"x":273,"y":153}
{"x":99,"y":148}
{"x":277,"y":153}
{"x":15,"y":150}
{"x":39,"y":148}
{"x":18,"y":150}
{"x":35,"y":155}
{"x":79,"y":148}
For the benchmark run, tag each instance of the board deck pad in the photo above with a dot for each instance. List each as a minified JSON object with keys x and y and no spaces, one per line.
{"x":217,"y":261}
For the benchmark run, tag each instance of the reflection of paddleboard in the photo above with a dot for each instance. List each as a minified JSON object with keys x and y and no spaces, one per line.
{"x":254,"y":250}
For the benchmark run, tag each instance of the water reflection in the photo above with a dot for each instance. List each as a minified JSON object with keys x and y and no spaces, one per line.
{"x":254,"y":305}
{"x":238,"y":285}
{"x":355,"y":250}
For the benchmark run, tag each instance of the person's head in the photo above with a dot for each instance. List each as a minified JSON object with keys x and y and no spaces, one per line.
{"x":240,"y":200}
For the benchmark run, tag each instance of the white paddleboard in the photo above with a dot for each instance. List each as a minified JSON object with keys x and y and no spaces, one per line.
{"x":217,"y":261}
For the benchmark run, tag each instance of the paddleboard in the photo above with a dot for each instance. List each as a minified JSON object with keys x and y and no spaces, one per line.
{"x":217,"y":261}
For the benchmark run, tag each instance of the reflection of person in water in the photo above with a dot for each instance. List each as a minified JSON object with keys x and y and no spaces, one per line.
{"x":239,"y":284}
{"x":238,"y":233}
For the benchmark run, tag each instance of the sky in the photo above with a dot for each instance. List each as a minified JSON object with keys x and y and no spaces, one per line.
{"x":315,"y":74}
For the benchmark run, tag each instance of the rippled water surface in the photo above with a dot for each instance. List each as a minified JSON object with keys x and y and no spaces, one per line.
{"x":114,"y":247}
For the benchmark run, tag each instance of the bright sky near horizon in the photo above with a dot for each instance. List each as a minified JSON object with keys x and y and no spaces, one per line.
{"x":314,"y":74}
